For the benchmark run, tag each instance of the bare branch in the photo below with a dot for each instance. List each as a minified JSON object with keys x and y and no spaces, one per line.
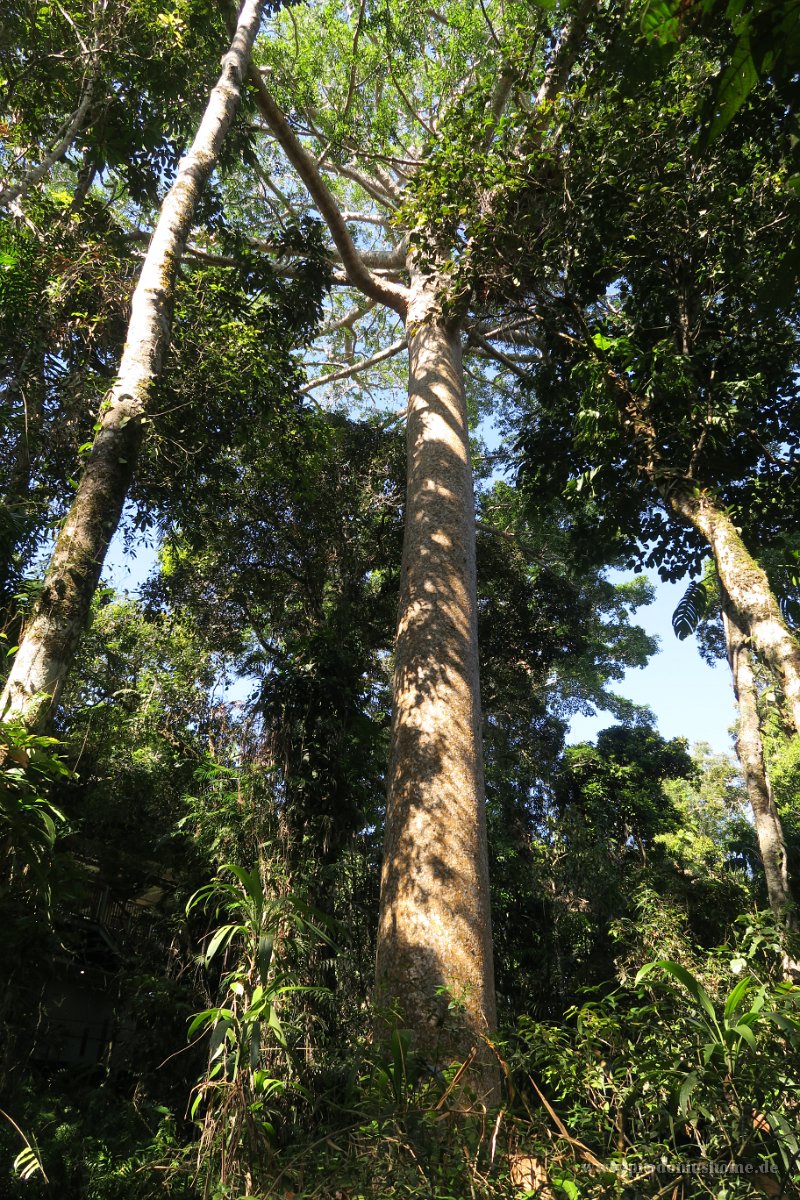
{"x":508,"y":331}
{"x":362,"y":365}
{"x":490,"y":26}
{"x":412,"y":112}
{"x":388,"y":184}
{"x":276,"y":191}
{"x":565,"y":52}
{"x":347,"y":321}
{"x":369,"y":184}
{"x":383,"y":262}
{"x":361,"y":218}
{"x":479,"y":340}
{"x":351,"y":83}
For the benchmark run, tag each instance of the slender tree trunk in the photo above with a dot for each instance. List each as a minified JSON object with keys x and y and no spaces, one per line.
{"x":13,"y":193}
{"x":750,"y":749}
{"x":743,"y":580}
{"x":747,"y":588}
{"x":52,"y":635}
{"x":434,"y":934}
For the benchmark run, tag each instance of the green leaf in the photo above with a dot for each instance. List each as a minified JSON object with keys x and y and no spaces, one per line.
{"x":692,"y":985}
{"x":660,"y":21}
{"x":691,"y":608}
{"x":207,"y":1017}
{"x":264,"y":955}
{"x":26,"y":1163}
{"x":735,"y":84}
{"x":565,"y":1184}
{"x":746,"y":1034}
{"x":220,"y":939}
{"x":219,"y":1036}
{"x":685,"y":1092}
{"x":250,"y":881}
{"x":737,"y":996}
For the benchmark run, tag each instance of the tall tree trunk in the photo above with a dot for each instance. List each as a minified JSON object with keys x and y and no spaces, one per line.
{"x":743,"y":580}
{"x":52,"y":635}
{"x":749,"y":593}
{"x":750,"y":749}
{"x":434,"y":933}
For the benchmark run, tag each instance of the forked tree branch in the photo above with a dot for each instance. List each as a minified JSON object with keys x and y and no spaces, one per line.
{"x":393,"y":295}
{"x":492,"y":352}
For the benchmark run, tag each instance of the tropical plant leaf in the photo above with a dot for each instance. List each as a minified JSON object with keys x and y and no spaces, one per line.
{"x":693,"y":986}
{"x":737,"y":996}
{"x":735,"y":84}
{"x":691,"y":609}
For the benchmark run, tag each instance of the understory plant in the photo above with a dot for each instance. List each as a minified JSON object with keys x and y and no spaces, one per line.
{"x":251,"y":1047}
{"x":672,"y":1085}
{"x":29,"y":821}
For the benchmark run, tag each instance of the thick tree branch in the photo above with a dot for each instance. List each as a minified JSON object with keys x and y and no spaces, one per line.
{"x":393,"y":295}
{"x":364,"y":218}
{"x":566,"y":51}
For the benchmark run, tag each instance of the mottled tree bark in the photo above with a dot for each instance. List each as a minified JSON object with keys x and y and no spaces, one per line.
{"x":51,"y":636}
{"x":750,"y":749}
{"x":743,"y":580}
{"x":747,"y":587}
{"x":434,"y":934}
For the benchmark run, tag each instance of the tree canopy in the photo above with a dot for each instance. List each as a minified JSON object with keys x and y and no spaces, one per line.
{"x":396,"y":340}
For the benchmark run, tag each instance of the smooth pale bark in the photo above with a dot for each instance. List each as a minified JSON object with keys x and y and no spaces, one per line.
{"x":13,"y":193}
{"x":52,"y":635}
{"x":747,"y":588}
{"x":750,"y":749}
{"x":434,"y":934}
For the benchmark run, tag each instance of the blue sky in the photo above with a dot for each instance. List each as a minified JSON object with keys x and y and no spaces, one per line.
{"x":689,"y":698}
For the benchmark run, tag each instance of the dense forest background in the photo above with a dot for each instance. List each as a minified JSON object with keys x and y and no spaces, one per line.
{"x":393,"y":335}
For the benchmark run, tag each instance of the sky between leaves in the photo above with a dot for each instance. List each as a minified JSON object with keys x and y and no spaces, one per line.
{"x":689,"y":698}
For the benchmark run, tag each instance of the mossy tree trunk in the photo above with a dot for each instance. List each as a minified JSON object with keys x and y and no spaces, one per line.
{"x":434,"y":935}
{"x":51,"y":637}
{"x":750,"y":749}
{"x":746,"y":586}
{"x":744,"y":582}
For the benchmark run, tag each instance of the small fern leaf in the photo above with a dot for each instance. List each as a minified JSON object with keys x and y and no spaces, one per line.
{"x":690,"y":611}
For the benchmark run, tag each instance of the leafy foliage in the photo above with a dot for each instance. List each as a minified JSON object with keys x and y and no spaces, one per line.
{"x":237,"y":711}
{"x":29,"y":821}
{"x":762,"y":46}
{"x":691,"y":608}
{"x":652,"y":1085}
{"x":244,"y":1075}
